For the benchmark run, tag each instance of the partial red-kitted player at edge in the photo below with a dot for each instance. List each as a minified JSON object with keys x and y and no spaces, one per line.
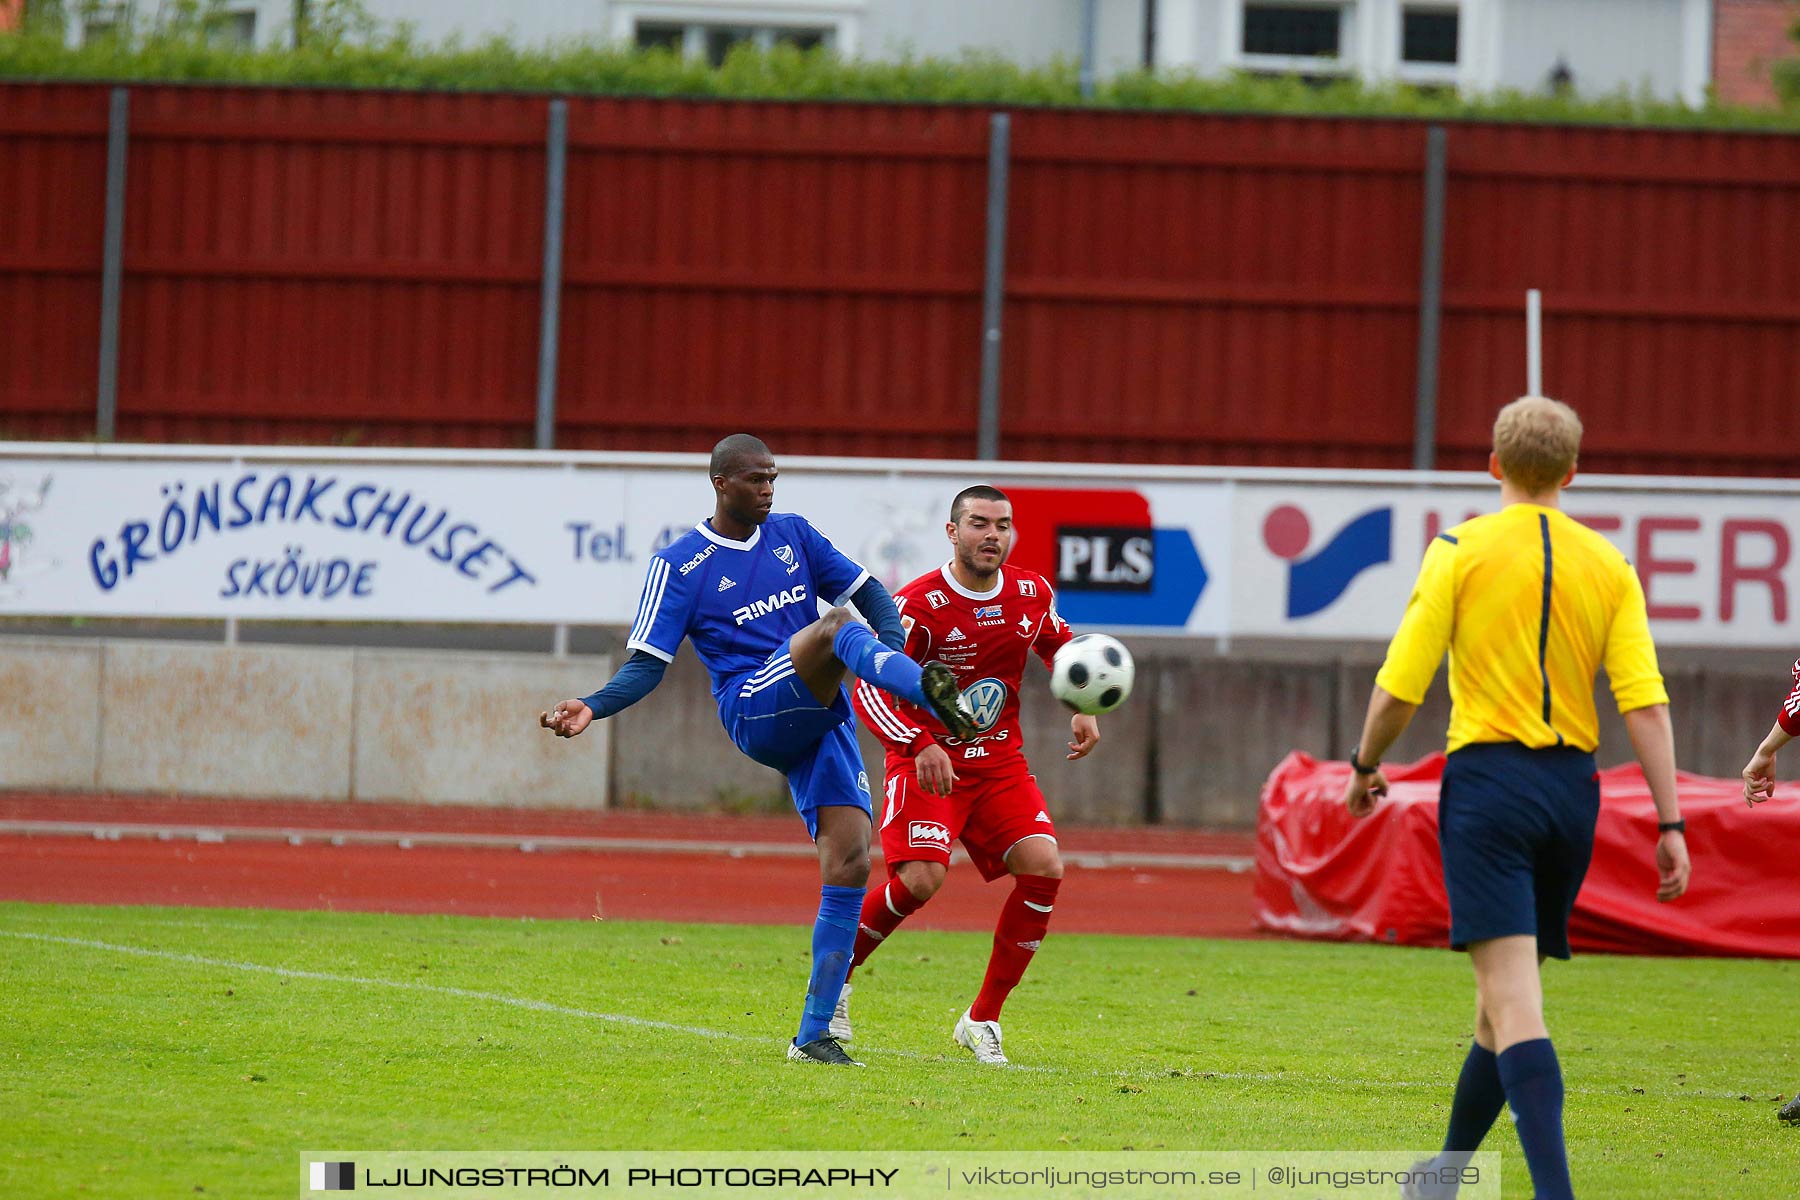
{"x":1759,"y":785}
{"x":983,"y":619}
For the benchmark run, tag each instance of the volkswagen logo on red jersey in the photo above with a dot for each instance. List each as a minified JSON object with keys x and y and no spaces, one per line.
{"x":987,"y":700}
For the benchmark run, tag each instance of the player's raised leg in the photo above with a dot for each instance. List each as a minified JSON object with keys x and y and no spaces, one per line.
{"x":1037,"y":872}
{"x":823,"y":650}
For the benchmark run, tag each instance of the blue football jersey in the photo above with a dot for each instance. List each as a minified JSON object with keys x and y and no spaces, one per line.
{"x":739,"y":601}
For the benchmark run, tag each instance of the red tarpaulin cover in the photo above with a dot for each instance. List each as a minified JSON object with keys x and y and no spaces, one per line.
{"x":1322,"y":874}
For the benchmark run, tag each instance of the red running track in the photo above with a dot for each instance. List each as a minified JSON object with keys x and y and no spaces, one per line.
{"x":692,"y":885}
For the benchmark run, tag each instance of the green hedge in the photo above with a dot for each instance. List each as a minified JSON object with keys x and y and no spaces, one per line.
{"x":341,"y":47}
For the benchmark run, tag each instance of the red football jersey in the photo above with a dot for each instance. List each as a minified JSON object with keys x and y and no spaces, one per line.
{"x":1788,"y":718}
{"x":984,"y":638}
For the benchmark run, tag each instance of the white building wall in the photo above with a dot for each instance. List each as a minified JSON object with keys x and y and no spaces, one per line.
{"x":526,"y":22}
{"x":1659,"y":46}
{"x":1030,"y":32}
{"x":1608,"y":44}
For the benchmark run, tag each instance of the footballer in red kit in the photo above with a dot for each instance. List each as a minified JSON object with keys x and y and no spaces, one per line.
{"x":983,"y":620}
{"x":1759,"y":785}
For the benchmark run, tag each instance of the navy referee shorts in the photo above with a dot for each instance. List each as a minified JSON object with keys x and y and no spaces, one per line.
{"x":1516,"y":831}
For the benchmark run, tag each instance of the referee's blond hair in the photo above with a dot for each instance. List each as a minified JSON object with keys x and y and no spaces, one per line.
{"x":1536,"y":440}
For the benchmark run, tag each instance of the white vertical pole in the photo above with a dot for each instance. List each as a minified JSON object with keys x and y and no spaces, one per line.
{"x":1534,"y":343}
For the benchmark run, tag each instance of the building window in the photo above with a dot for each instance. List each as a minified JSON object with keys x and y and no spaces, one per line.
{"x":1428,"y":35}
{"x":236,"y":29}
{"x":1293,"y":30}
{"x":659,"y":35}
{"x":723,"y":39}
{"x":102,"y":22}
{"x":713,"y":41}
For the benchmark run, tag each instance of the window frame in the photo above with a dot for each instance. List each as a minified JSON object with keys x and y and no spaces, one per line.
{"x":1428,"y":66}
{"x":838,"y":22}
{"x":1342,"y":63}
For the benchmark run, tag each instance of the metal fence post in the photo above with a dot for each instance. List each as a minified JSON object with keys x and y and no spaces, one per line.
{"x":112,"y":272}
{"x":1089,"y":47}
{"x":556,"y":156}
{"x":1431,"y":300}
{"x":993,"y":292}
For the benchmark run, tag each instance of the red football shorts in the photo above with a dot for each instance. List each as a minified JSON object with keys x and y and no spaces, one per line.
{"x":990,"y":814}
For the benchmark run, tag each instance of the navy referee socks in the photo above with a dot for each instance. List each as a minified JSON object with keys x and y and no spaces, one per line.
{"x":1534,"y":1091}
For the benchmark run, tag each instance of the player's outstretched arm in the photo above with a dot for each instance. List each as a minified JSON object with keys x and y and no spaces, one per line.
{"x":1653,"y":740}
{"x":1759,"y":772}
{"x":1084,"y":735}
{"x":568,"y":718}
{"x":634,"y":680}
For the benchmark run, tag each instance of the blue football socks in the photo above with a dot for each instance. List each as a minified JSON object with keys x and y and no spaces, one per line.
{"x":1478,"y":1100}
{"x":859,"y":649}
{"x":1473,"y":1110}
{"x":834,"y":937}
{"x":1534,"y":1091}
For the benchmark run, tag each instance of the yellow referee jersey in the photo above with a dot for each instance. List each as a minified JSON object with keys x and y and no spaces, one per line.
{"x":1529,"y":602}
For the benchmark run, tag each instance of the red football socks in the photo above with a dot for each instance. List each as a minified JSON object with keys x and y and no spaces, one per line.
{"x":1024,"y":920}
{"x":882,"y":911}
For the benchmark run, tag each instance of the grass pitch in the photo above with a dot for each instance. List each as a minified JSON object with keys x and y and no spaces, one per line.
{"x":163,"y":1051}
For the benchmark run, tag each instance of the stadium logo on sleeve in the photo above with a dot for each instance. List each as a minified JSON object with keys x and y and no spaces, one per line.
{"x":927,"y":833}
{"x":987,"y":700}
{"x":1316,"y":580}
{"x":699,"y":558}
{"x":333,"y":1176}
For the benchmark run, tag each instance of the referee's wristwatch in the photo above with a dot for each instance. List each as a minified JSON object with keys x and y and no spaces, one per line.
{"x":1679,"y":826}
{"x":1360,"y":767}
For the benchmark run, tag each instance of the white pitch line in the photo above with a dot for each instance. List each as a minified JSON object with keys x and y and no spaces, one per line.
{"x":545,"y":1006}
{"x":397,"y":984}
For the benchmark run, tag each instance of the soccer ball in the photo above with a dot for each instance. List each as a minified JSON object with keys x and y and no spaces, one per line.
{"x":1092,"y":674}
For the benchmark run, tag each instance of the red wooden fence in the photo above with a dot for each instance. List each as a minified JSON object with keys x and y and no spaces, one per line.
{"x":335,"y":266}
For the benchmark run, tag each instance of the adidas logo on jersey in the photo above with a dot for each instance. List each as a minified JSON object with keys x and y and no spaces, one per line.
{"x":955,"y":635}
{"x":1042,"y":818}
{"x":725,"y":582}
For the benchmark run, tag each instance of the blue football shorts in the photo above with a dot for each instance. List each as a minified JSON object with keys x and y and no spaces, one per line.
{"x":774,"y":718}
{"x":1516,"y":830}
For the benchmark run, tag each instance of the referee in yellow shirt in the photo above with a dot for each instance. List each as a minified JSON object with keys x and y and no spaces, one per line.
{"x":1529,"y":603}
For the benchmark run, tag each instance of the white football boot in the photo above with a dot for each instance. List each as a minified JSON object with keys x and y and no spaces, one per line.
{"x":982,"y":1038}
{"x":840,"y":1017}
